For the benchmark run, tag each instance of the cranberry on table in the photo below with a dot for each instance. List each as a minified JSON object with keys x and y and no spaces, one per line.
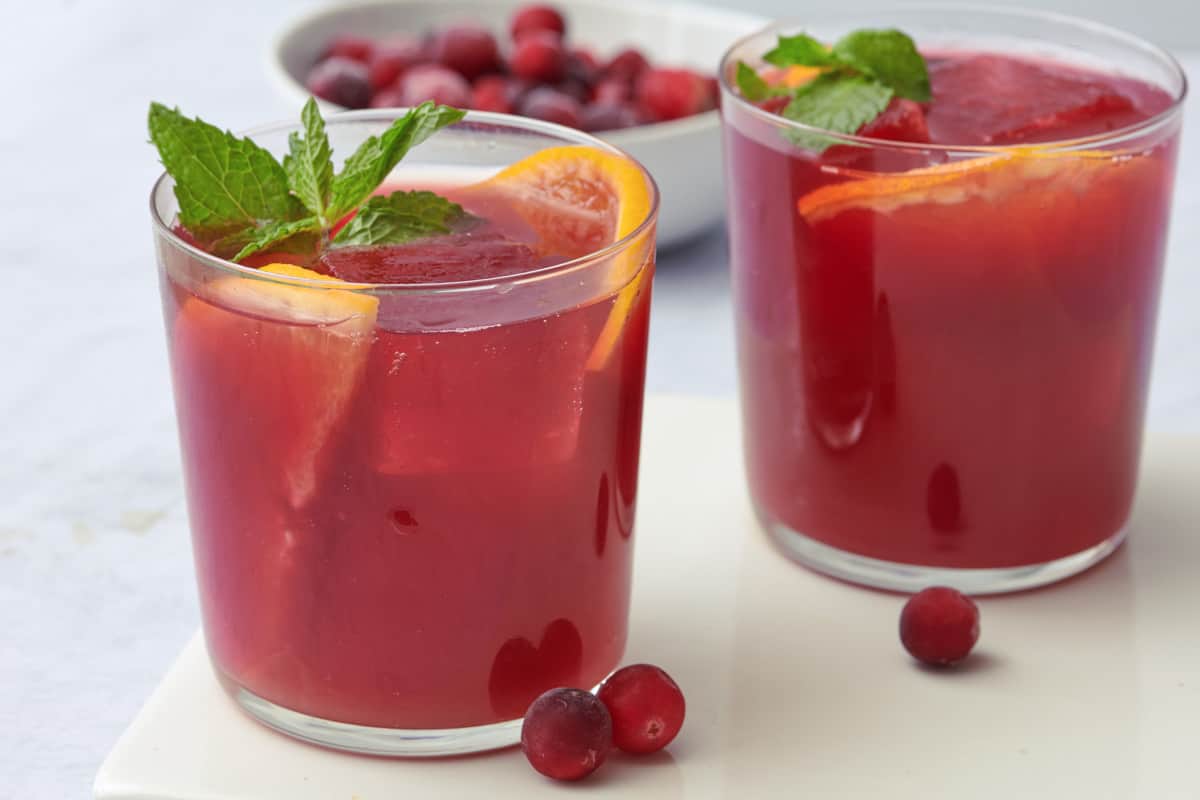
{"x":567,"y":734}
{"x":939,"y":626}
{"x":536,"y":18}
{"x":646,"y":706}
{"x":539,"y":56}
{"x":552,"y":105}
{"x":356,"y":48}
{"x":667,"y":94}
{"x":437,"y":83}
{"x":468,"y":49}
{"x":607,"y":116}
{"x":493,"y":93}
{"x":627,"y":65}
{"x":341,"y":80}
{"x":392,"y":57}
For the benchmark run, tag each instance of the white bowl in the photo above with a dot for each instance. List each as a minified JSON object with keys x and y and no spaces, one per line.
{"x":684,"y":155}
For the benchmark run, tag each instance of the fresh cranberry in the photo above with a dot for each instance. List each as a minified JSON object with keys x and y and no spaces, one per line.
{"x":567,"y":734}
{"x":902,"y":121}
{"x":391,"y":97}
{"x":392,"y":57}
{"x":604,"y":116}
{"x":356,"y":48}
{"x":667,"y":94}
{"x":492,"y":93}
{"x":341,"y":80}
{"x":437,"y":83}
{"x":939,"y":625}
{"x":468,"y":49}
{"x":537,"y":18}
{"x":612,"y":90}
{"x":574,"y":88}
{"x":646,"y":707}
{"x":582,"y":63}
{"x":539,"y":56}
{"x":551,"y":105}
{"x":627,"y":65}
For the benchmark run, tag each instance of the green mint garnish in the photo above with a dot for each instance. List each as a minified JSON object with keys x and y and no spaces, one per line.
{"x":860,"y":74}
{"x":401,"y":217}
{"x":237,"y":198}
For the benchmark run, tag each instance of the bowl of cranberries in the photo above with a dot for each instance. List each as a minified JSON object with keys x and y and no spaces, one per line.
{"x":639,"y":75}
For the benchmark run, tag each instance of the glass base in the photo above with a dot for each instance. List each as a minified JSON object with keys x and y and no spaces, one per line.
{"x":910,"y":578}
{"x":378,"y":741}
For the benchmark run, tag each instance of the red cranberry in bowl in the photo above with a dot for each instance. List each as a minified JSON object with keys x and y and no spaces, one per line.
{"x":627,"y":65}
{"x":467,"y":48}
{"x":355,"y":48}
{"x":493,"y":93}
{"x":437,"y":83}
{"x":536,"y":18}
{"x":391,"y":97}
{"x":539,"y":56}
{"x":605,"y":116}
{"x":392,"y":57}
{"x":551,"y":105}
{"x":612,"y":90}
{"x":341,"y":80}
{"x":666,"y":94}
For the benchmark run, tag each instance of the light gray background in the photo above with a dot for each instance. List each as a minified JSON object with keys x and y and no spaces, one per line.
{"x":96,"y":593}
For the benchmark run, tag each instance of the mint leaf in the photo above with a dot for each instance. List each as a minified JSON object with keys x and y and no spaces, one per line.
{"x":375,"y":158}
{"x":273,"y":234}
{"x":835,"y":102}
{"x":401,"y":217}
{"x":751,"y":84}
{"x":890,"y":57}
{"x":223,"y":183}
{"x":802,"y":50}
{"x":309,"y":165}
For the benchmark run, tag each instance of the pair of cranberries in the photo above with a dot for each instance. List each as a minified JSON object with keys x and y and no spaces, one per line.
{"x":536,"y":75}
{"x":568,"y":733}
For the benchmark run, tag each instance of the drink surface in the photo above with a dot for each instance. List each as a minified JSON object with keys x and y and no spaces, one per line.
{"x":944,"y":361}
{"x":399,"y":521}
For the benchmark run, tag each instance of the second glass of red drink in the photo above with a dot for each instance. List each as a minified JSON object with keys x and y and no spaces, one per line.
{"x":946,"y":313}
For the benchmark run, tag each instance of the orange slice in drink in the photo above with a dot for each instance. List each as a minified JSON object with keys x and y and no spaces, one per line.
{"x":292,"y":355}
{"x":989,"y":178}
{"x":580,"y":200}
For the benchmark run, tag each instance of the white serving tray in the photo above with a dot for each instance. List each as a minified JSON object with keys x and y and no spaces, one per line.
{"x":796,"y":684}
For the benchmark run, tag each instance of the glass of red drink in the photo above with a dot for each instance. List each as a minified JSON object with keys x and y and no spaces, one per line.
{"x":945,"y":322}
{"x":412,"y":490}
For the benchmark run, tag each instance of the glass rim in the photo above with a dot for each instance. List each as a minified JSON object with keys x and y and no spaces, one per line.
{"x":509,"y":121}
{"x":730,"y":92}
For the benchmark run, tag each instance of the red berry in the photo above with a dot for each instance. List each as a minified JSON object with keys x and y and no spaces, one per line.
{"x":627,"y":65}
{"x":775,"y":104}
{"x":939,"y":625}
{"x":667,"y":94}
{"x":646,"y":707}
{"x":612,"y":90}
{"x":437,"y":83}
{"x":551,"y":105}
{"x":582,"y":63}
{"x":536,"y":18}
{"x":492,"y":93}
{"x":575,"y":89}
{"x":539,"y":56}
{"x":391,"y":97}
{"x":356,"y":48}
{"x":604,"y":116}
{"x":392,"y":57}
{"x":902,"y":121}
{"x":567,"y":734}
{"x":468,"y":49}
{"x":341,"y":80}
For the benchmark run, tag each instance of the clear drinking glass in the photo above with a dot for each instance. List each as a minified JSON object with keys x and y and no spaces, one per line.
{"x":411,"y":504}
{"x":944,"y":351}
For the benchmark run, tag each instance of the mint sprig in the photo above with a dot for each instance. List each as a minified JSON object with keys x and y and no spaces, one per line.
{"x":860,"y":74}
{"x":238,"y":199}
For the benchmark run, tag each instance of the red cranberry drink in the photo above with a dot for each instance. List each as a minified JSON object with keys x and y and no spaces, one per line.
{"x":409,"y":417}
{"x":947,"y":258}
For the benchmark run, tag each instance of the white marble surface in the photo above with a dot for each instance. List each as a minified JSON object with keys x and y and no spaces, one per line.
{"x":96,"y":593}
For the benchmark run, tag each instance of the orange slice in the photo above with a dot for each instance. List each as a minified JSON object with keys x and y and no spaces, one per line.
{"x":579,"y":200}
{"x":990,"y":178}
{"x":299,"y":351}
